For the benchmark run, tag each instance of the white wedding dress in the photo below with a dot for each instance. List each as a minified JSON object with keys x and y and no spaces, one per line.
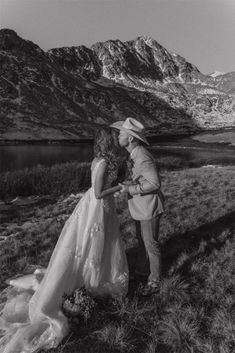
{"x":89,"y":253}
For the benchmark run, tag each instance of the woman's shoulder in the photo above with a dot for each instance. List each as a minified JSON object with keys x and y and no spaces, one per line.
{"x":98,"y":160}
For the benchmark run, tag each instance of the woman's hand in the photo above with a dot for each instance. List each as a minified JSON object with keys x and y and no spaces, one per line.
{"x":124,"y":188}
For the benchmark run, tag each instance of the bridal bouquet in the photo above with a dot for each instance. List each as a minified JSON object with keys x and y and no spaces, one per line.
{"x":80,"y":304}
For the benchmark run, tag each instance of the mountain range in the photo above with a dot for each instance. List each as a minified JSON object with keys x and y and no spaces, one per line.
{"x":64,"y":93}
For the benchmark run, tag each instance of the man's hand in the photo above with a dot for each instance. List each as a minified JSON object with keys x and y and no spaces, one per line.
{"x":124,"y":188}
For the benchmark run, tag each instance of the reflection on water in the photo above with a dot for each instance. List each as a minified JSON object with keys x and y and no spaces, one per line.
{"x":227,"y":137}
{"x":205,"y":156}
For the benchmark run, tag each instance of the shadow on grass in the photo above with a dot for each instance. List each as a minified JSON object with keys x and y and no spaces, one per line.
{"x":194,"y":243}
{"x":200,"y":241}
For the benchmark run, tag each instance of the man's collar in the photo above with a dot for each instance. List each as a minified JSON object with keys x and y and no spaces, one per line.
{"x":134,"y":152}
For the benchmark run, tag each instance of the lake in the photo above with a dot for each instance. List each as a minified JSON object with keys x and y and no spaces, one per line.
{"x":208,"y":147}
{"x":225,"y":137}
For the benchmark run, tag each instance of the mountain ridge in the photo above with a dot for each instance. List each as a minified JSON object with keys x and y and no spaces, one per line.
{"x":63,"y":93}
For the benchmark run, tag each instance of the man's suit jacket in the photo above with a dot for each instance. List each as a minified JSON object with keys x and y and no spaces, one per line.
{"x":145,"y":197}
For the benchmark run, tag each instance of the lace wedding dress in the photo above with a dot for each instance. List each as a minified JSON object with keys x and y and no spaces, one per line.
{"x":89,"y":253}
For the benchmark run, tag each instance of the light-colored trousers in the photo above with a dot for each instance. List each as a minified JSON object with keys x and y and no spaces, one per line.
{"x":149,"y":254}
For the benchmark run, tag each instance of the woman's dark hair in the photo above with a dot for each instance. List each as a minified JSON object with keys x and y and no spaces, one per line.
{"x":106,"y":146}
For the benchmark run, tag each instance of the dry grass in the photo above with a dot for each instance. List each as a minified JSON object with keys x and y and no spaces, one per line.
{"x":70,"y":177}
{"x":195,"y":310}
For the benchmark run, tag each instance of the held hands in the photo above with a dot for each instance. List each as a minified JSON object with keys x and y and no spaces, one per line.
{"x":124,"y":188}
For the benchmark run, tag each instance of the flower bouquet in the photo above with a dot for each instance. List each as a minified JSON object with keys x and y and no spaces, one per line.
{"x":80,"y":305}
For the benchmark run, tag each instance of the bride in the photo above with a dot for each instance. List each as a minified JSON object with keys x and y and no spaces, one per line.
{"x":89,"y":253}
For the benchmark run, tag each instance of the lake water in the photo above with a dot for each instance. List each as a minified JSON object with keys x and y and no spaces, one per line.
{"x":225,"y":137}
{"x":23,"y":156}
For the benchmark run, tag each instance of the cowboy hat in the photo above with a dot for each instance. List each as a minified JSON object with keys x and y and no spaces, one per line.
{"x":133,"y":127}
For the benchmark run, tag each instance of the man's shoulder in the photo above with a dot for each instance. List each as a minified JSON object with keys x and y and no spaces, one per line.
{"x":142,"y":154}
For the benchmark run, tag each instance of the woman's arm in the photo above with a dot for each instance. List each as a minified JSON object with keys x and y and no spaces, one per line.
{"x":100,"y":193}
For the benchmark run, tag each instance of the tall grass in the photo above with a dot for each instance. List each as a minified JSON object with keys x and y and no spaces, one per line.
{"x":68,"y":177}
{"x":56,"y":180}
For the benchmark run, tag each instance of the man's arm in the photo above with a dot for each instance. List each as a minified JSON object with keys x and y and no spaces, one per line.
{"x":150,"y":179}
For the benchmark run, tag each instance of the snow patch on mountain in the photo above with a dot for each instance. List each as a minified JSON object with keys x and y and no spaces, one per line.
{"x":216,"y":73}
{"x":210,"y":91}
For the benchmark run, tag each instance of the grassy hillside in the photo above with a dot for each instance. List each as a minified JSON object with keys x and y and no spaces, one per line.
{"x":194,"y":311}
{"x":71,"y":177}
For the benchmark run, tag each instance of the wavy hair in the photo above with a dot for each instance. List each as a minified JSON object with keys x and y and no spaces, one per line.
{"x":106,"y":146}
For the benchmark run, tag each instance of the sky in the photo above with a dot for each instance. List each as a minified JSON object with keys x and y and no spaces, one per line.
{"x":202,"y":31}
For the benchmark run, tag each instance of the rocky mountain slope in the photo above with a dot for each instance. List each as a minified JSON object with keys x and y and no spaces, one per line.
{"x":65,"y":92}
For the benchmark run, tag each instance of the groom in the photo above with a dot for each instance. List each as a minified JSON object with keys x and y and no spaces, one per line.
{"x":145,"y":201}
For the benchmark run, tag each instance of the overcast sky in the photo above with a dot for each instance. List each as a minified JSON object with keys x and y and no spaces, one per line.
{"x":202,"y":31}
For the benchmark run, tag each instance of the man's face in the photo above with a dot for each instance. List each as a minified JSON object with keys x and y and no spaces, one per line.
{"x":123,"y":138}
